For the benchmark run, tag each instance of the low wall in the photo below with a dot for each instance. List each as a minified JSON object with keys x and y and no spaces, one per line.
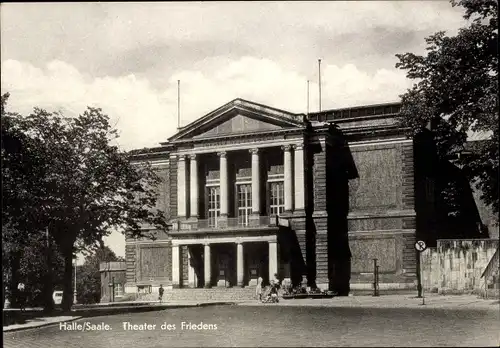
{"x":456,"y":265}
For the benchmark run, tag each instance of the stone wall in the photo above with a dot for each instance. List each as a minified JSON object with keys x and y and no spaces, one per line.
{"x":381,"y":217}
{"x":379,"y":186}
{"x":163,"y":202}
{"x":154,"y":264}
{"x":456,"y":265}
{"x":136,"y":272}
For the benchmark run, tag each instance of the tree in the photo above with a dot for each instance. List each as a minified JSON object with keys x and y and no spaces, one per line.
{"x":32,"y":270}
{"x":89,"y":278}
{"x":82,"y":186}
{"x":457,"y":89}
{"x":21,"y":182}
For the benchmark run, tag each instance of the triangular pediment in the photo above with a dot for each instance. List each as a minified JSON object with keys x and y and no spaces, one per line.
{"x":239,"y":117}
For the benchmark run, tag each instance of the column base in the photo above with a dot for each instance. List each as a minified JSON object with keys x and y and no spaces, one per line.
{"x":254,"y":219}
{"x":299,"y":213}
{"x":176,"y":286}
{"x":207,"y":286}
{"x":222,"y":283}
{"x":222,"y":221}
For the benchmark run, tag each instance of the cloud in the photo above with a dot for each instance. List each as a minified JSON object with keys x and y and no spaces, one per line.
{"x":265,"y":21}
{"x":146,"y":115}
{"x":114,"y":39}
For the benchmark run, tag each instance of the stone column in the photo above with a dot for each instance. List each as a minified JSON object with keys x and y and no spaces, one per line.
{"x":255,"y":182}
{"x":288,"y":177}
{"x":191,"y":272}
{"x":223,"y":184}
{"x":299,"y":183}
{"x":181,"y":186}
{"x":273,"y":258}
{"x":176,"y":274}
{"x":194,"y":186}
{"x":239,"y":264}
{"x":208,"y":265}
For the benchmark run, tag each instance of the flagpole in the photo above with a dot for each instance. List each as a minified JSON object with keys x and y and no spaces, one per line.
{"x":319,"y":78}
{"x":178,"y":104}
{"x":307,"y":98}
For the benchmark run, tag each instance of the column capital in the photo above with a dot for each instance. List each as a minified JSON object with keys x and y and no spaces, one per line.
{"x":254,"y":151}
{"x":222,"y":154}
{"x":192,"y":156}
{"x":181,"y":157}
{"x":298,"y":146}
{"x":287,"y":147}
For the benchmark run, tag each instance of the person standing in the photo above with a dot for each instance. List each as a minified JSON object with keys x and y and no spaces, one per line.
{"x":21,"y":295}
{"x":160,"y":291}
{"x":258,"y":289}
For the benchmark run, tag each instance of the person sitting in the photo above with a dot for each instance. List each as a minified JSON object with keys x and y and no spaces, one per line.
{"x":275,"y":284}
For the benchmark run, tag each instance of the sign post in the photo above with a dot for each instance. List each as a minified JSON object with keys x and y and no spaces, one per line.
{"x":420,"y":246}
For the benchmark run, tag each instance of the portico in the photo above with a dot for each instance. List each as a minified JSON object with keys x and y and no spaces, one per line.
{"x":225,"y":261}
{"x":236,"y":171}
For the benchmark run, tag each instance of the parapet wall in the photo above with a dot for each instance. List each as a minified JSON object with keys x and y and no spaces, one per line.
{"x":456,"y":265}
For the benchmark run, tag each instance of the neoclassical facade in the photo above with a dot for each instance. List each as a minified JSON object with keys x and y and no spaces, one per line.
{"x":252,"y":191}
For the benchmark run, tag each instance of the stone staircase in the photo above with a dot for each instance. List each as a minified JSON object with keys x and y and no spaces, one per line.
{"x":212,"y":294}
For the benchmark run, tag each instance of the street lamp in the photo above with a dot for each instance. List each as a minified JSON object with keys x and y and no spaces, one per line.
{"x":49,"y":302}
{"x":74,"y":287}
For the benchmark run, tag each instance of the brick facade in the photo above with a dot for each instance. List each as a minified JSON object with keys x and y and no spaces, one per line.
{"x":360,"y":193}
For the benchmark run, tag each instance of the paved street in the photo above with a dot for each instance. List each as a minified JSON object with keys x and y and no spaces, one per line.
{"x":275,"y":326}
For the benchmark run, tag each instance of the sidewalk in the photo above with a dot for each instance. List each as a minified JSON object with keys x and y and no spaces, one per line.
{"x":432,"y":301}
{"x":99,"y":310}
{"x":39,"y":322}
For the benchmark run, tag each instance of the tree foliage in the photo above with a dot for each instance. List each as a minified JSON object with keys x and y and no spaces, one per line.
{"x":64,"y":174}
{"x":88,"y":275}
{"x":456,"y":87}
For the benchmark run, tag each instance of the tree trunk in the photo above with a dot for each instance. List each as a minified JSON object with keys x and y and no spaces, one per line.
{"x":67,"y":300}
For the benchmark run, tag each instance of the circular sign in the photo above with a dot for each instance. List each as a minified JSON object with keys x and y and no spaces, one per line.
{"x":420,"y":245}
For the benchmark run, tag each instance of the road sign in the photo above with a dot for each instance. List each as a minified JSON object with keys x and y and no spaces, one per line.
{"x":420,"y":245}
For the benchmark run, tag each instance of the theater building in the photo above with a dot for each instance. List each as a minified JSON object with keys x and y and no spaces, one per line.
{"x":252,"y":191}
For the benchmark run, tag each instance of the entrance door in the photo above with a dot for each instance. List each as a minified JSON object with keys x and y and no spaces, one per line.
{"x":199,"y":265}
{"x":257,"y":261}
{"x":225,"y":266}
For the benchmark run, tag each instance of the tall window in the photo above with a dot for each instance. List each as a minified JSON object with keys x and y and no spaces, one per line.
{"x":118,"y":290}
{"x":277,"y":198}
{"x":244,"y":203}
{"x":213,"y":205}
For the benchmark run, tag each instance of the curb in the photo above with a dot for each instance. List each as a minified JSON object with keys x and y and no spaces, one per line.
{"x":225,"y":303}
{"x":41,"y":325}
{"x":410,"y":305}
{"x":375,"y":307}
